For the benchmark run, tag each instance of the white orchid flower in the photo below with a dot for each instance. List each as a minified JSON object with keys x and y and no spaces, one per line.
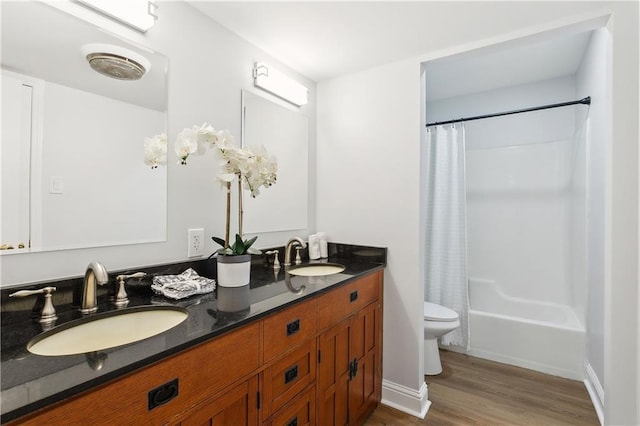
{"x":258,"y":169}
{"x":252,"y":166}
{"x":155,"y":150}
{"x":186,"y":144}
{"x":225,"y":140}
{"x":207,"y":136}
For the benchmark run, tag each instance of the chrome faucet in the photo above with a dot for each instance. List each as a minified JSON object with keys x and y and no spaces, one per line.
{"x":85,"y":296}
{"x":296,"y":241}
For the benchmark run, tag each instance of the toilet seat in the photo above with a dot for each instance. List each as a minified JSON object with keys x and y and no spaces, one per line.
{"x":435,"y":312}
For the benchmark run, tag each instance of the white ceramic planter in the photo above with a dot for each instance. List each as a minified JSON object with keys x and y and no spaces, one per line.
{"x":234,"y":271}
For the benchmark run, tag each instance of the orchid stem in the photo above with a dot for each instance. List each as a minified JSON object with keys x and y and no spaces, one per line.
{"x":240,"y":210}
{"x":228,"y":219}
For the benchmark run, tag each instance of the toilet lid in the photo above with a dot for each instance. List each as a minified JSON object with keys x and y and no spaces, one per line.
{"x":435,"y":312}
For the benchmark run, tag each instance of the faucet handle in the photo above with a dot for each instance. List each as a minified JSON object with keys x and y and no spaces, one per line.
{"x":121,"y":299}
{"x":298,"y":258}
{"x":295,"y":241}
{"x":48,"y":313}
{"x":276,"y":262}
{"x":136,"y":275}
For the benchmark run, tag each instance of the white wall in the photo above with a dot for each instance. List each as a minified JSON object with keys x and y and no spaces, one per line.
{"x":621,"y":222}
{"x":381,"y":151}
{"x":557,"y":124}
{"x":592,"y":80}
{"x":208,"y":67}
{"x":97,"y":169}
{"x":368,"y":192}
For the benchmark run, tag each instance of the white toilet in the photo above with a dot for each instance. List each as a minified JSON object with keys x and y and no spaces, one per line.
{"x":438,"y":321}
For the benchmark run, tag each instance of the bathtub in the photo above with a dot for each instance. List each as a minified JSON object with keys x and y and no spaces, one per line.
{"x":541,"y":336}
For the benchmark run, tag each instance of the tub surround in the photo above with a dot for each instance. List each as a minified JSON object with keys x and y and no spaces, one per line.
{"x":520,"y":331}
{"x":31,"y":382}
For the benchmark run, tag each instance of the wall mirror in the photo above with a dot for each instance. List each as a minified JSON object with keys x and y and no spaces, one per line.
{"x":284,"y":133}
{"x":72,"y":148}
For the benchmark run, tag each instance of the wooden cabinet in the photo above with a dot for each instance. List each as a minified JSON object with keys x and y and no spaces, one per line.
{"x":315,"y":362}
{"x":237,"y":407}
{"x":301,"y":411}
{"x":161,"y":392}
{"x":366,"y":382}
{"x":287,"y":377}
{"x":334,"y":374}
{"x":290,"y":327}
{"x":346,"y":300}
{"x":350,"y":364}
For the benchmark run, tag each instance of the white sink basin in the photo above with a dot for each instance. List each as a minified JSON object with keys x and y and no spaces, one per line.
{"x":99,"y":332}
{"x":317,"y":269}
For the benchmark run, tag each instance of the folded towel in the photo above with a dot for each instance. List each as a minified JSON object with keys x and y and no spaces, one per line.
{"x":184,"y":285}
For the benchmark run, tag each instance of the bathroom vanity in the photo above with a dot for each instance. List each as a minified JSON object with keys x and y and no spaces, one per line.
{"x":295,"y":350}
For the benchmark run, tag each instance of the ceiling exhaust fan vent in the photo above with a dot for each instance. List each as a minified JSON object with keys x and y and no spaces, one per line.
{"x":116,"y":62}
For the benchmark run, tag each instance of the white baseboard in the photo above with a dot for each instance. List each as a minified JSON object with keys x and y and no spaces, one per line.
{"x":525,"y":363}
{"x":595,"y":390}
{"x":407,"y":400}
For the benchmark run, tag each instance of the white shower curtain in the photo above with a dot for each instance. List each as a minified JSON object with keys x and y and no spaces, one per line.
{"x":446,"y":239}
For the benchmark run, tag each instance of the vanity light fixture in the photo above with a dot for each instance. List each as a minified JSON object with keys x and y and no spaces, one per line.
{"x":281,"y":85}
{"x":115,"y":61}
{"x":138,"y":14}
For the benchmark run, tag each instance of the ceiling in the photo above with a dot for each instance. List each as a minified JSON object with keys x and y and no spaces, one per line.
{"x":325,"y":39}
{"x":491,"y":69}
{"x":33,"y":43}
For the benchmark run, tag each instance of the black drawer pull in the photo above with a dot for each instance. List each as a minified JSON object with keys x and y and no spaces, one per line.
{"x":353,"y":296}
{"x":291,"y":374}
{"x":162,"y":394}
{"x":293,"y":327}
{"x":293,"y":421}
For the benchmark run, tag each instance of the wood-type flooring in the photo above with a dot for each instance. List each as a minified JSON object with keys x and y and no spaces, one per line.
{"x":474,"y":391}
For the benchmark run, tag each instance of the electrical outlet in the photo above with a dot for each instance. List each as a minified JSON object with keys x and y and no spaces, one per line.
{"x":196,"y":242}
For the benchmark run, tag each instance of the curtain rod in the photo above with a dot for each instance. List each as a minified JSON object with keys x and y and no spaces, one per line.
{"x":584,"y":101}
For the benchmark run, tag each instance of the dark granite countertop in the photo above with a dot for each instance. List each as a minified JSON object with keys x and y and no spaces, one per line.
{"x":30,"y":382}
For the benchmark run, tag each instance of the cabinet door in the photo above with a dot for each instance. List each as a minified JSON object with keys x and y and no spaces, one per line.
{"x":364,"y":352}
{"x":333,"y":375}
{"x":237,"y":407}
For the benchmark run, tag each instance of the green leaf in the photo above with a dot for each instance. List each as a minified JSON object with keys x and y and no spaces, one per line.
{"x":249,"y":243}
{"x":239,"y":247}
{"x":219,"y":241}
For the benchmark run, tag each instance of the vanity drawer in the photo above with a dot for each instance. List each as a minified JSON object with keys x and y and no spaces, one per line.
{"x":289,"y":328}
{"x":288,"y":376}
{"x":333,"y":307}
{"x":299,"y":412}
